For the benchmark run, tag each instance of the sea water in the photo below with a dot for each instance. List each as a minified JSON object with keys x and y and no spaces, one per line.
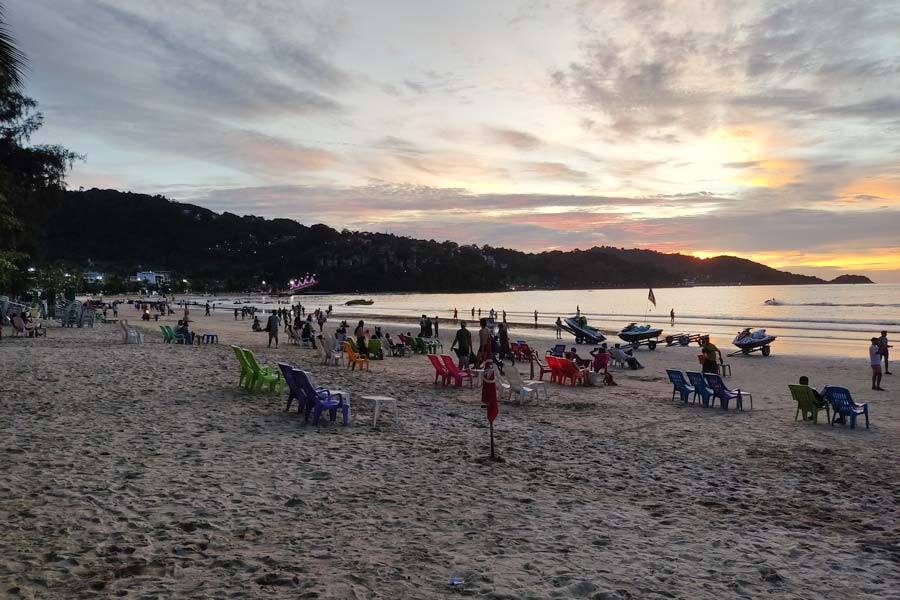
{"x":808,"y":319}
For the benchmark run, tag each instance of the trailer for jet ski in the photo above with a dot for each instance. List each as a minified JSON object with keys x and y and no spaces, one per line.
{"x":583,"y":333}
{"x":641,"y":335}
{"x":753,"y":341}
{"x":684,"y":339}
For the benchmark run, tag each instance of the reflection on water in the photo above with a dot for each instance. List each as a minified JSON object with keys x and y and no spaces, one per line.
{"x":816,"y":319}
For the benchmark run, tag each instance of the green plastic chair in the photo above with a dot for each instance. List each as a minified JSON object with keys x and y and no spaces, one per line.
{"x":174,"y":336}
{"x":418,"y":346}
{"x":259,"y":375}
{"x":375,"y":349}
{"x":352,"y":343}
{"x":246,"y":372}
{"x":168,"y":335}
{"x":806,"y":403}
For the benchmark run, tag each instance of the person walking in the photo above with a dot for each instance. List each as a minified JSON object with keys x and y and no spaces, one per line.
{"x":462,"y":344}
{"x":207,"y":310}
{"x":473,"y":312}
{"x":272,"y":327}
{"x":535,"y":319}
{"x":437,"y":332}
{"x":485,"y":343}
{"x":558,"y":328}
{"x":672,"y":317}
{"x":875,"y":363}
{"x":455,"y":314}
{"x":883,"y":348}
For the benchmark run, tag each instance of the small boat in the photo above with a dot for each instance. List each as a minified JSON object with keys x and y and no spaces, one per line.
{"x":752,"y":341}
{"x":771,"y":302}
{"x":638,"y":334}
{"x":359,"y":302}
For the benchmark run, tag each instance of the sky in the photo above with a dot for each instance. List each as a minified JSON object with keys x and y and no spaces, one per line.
{"x":767,"y":130}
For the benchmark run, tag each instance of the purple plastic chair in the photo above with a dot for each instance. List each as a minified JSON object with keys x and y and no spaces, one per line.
{"x":319,"y":399}
{"x":295,"y":391}
{"x":724,"y":394}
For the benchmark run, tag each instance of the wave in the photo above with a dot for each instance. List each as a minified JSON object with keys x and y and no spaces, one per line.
{"x":859,"y":305}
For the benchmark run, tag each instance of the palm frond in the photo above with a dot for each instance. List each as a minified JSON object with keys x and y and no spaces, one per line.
{"x":12,"y":60}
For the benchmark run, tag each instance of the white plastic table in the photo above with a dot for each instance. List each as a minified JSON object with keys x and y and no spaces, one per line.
{"x":377,"y":401}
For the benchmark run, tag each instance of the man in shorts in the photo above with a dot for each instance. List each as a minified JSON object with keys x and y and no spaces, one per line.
{"x":272,"y":327}
{"x":875,"y":362}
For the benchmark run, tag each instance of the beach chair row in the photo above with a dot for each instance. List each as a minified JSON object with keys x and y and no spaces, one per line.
{"x":706,"y":388}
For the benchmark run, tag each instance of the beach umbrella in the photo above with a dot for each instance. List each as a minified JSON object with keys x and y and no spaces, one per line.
{"x":489,"y":397}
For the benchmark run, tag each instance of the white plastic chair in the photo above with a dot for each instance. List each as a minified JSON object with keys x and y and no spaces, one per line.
{"x":517,"y":383}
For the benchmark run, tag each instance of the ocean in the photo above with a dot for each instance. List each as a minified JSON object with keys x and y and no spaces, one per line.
{"x":835,"y":320}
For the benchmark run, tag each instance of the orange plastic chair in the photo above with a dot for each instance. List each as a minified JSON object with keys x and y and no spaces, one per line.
{"x":568,"y":370}
{"x":354,"y":359}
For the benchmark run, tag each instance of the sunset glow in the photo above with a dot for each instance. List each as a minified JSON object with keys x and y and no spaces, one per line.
{"x":764,"y":130}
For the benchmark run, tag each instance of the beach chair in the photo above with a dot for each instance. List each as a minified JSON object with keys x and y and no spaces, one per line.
{"x":354,"y":359}
{"x":295,"y":391}
{"x":701,"y":389}
{"x":246,"y":372}
{"x":543,"y":366}
{"x":681,"y":386}
{"x":418,"y":345}
{"x":558,"y":350}
{"x":261,"y":375}
{"x":455,"y":372}
{"x":435,"y":345}
{"x":556,"y":369}
{"x":531,"y":387}
{"x":843,"y":405}
{"x":168,"y":338}
{"x":320,"y":399}
{"x":806,"y":403}
{"x":172,"y":336}
{"x":440,"y":371}
{"x":375,"y":349}
{"x":331,"y":357}
{"x":352,"y":342}
{"x":724,"y":394}
{"x":132,"y":335}
{"x":568,"y":370}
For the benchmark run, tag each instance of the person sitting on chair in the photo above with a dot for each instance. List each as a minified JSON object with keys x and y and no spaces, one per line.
{"x":601,"y":359}
{"x":579,"y":362}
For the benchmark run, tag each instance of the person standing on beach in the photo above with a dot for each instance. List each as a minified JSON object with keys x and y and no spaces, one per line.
{"x":455,"y":314}
{"x":535,"y":319}
{"x":437,"y":333}
{"x":462,"y":343}
{"x":207,"y":310}
{"x":875,"y":363}
{"x":709,"y":351}
{"x":883,"y":348}
{"x":672,"y":317}
{"x":272,"y":327}
{"x":235,"y":314}
{"x":473,"y":312}
{"x":577,"y":312}
{"x":362,"y":346}
{"x":485,"y":343}
{"x":558,"y":328}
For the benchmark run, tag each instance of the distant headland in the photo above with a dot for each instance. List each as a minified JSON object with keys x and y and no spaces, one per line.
{"x":116,"y":234}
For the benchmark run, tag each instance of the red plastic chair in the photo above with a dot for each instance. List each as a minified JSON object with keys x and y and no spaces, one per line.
{"x":568,"y":370}
{"x":556,"y":370}
{"x":440,"y":371}
{"x":454,"y":371}
{"x":545,"y":368}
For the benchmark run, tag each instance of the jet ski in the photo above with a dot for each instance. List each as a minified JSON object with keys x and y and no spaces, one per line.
{"x":637,"y":334}
{"x":578,"y":327}
{"x":751,"y":341}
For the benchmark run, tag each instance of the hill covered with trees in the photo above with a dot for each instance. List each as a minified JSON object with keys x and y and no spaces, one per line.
{"x":119,"y":233}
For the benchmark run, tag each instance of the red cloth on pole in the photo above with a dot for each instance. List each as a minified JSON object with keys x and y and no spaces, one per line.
{"x":489,"y":392}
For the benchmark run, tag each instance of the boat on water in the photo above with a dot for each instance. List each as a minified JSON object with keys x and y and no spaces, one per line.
{"x":583,"y":332}
{"x":640,"y":334}
{"x":359,"y":302}
{"x":753,"y":341}
{"x":771,"y":302}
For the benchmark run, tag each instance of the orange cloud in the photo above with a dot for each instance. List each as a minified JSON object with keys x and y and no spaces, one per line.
{"x":882,"y":190}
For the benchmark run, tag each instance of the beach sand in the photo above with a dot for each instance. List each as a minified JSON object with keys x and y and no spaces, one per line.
{"x":143,"y":471}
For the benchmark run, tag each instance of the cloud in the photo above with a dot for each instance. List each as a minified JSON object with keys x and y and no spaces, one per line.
{"x":521,"y":140}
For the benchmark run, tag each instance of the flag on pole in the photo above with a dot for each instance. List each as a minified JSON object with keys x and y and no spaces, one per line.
{"x":489,"y":391}
{"x":651,"y":297}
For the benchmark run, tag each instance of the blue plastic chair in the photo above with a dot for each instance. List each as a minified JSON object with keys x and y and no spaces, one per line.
{"x":843,"y":405}
{"x":295,"y":391}
{"x":320,"y":399}
{"x":557,"y":350}
{"x":681,"y":385}
{"x":701,"y":390}
{"x":724,"y":394}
